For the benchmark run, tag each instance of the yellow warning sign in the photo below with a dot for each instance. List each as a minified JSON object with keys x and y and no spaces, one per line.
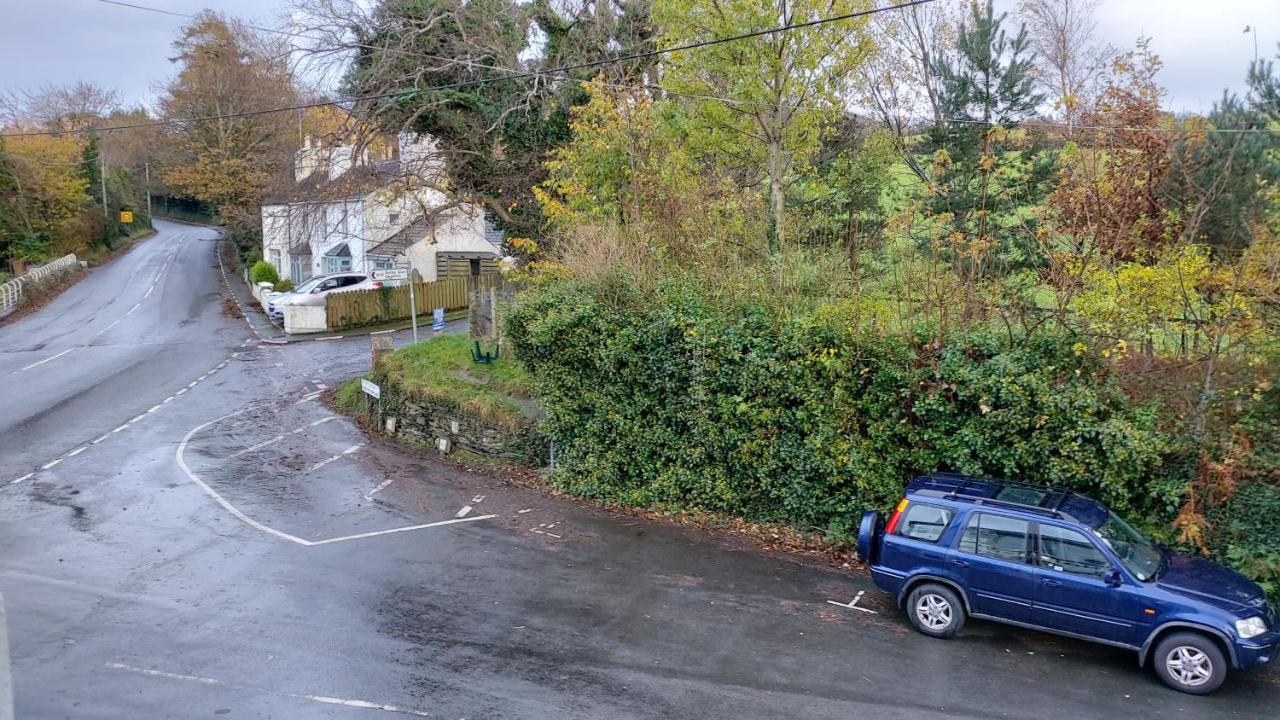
{"x":126,"y":216}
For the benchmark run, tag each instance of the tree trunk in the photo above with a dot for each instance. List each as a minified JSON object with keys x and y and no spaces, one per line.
{"x":776,"y":196}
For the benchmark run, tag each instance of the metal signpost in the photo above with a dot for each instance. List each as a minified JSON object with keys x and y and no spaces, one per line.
{"x":371,"y":390}
{"x":402,"y":271}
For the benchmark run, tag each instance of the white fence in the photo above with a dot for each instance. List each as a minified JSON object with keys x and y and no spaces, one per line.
{"x":11,"y":292}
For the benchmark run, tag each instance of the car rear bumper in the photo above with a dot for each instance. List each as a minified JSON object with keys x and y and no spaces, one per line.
{"x":1258,"y":651}
{"x":888,"y":580}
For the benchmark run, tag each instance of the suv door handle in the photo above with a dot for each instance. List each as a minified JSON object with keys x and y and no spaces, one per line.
{"x":1051,"y":583}
{"x":960,"y":563}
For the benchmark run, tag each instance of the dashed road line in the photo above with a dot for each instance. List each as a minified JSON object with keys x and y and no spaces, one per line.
{"x":103,"y":330}
{"x":76,"y":451}
{"x":322,"y":699}
{"x":463,"y":512}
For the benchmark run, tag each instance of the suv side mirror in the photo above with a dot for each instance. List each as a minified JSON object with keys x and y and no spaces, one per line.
{"x":1112,"y":577}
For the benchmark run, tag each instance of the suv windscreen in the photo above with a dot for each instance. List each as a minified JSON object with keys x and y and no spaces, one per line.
{"x":996,"y":536}
{"x":924,"y":522}
{"x":308,"y":286}
{"x":1139,"y":555}
{"x":1068,"y":551}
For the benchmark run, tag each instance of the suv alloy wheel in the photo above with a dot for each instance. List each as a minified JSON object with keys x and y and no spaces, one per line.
{"x":1190,"y":662}
{"x":935,"y":610}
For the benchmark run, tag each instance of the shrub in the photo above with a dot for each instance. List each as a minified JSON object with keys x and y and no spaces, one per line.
{"x":263,"y":271}
{"x":671,"y":399}
{"x":284,"y":285}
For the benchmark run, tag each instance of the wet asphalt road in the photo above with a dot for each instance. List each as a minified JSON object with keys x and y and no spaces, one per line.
{"x":237,"y":551}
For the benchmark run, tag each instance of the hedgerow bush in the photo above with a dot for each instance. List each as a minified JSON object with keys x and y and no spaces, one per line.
{"x":263,"y":271}
{"x":673,"y":399}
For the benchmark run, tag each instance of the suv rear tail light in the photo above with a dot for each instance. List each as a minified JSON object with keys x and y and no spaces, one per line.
{"x":897,"y":515}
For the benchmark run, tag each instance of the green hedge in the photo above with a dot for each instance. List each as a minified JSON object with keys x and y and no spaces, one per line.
{"x":673,"y":400}
{"x":263,"y":271}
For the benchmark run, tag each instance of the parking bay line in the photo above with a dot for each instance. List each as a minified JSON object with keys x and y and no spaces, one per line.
{"x":853,"y":604}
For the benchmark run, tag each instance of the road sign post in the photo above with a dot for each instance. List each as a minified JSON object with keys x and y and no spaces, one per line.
{"x":371,"y":390}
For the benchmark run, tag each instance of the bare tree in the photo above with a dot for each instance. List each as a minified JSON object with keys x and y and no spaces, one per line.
{"x":1070,"y":58}
{"x":897,"y":81}
{"x":62,"y":108}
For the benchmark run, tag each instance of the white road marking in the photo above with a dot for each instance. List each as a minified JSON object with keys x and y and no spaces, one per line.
{"x":377,"y":533}
{"x":544,"y":532}
{"x":95,"y":441}
{"x":148,"y":293}
{"x":521,"y":512}
{"x":122,"y":427}
{"x":163,"y":674}
{"x":117,"y":322}
{"x":182,"y":391}
{"x":352,"y":449}
{"x":322,"y":421}
{"x":259,"y":446}
{"x":77,"y":451}
{"x":477,"y":499}
{"x":24,"y":477}
{"x":322,"y":386}
{"x":853,"y":604}
{"x":362,"y":704}
{"x":136,"y":419}
{"x":55,"y":357}
{"x":335,"y":337}
{"x":135,"y":307}
{"x":193,"y":383}
{"x":381,"y":486}
{"x":179,"y":457}
{"x":50,"y":464}
{"x":153,"y":409}
{"x":463,"y":512}
{"x":324,"y":462}
{"x":168,"y":400}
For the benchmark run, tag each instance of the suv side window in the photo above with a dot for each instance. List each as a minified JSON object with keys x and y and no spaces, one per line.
{"x":1069,"y":551}
{"x":924,"y":522}
{"x":996,"y":536}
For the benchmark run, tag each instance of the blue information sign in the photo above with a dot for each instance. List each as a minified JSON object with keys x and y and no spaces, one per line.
{"x":437,"y":319}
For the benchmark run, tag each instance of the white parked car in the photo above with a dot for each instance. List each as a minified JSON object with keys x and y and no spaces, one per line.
{"x":313,"y":291}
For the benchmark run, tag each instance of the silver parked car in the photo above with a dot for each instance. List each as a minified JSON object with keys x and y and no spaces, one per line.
{"x":314,"y":290}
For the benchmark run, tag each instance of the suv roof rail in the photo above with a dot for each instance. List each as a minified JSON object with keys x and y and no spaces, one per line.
{"x":957,"y":492}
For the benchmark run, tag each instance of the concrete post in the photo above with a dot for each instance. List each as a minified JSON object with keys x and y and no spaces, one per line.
{"x":6,"y":685}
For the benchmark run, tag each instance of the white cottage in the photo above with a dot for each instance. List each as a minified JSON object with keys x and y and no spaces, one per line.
{"x":347,"y":211}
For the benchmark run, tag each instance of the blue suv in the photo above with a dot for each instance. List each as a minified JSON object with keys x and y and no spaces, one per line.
{"x":1050,"y":559}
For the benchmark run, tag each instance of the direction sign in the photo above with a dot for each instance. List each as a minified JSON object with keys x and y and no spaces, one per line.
{"x":371,"y":389}
{"x":390,"y":274}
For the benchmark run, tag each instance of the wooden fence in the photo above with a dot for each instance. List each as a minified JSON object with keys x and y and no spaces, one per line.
{"x":389,"y":304}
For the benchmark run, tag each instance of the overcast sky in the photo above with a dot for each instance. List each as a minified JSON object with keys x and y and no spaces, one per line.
{"x":60,"y":41}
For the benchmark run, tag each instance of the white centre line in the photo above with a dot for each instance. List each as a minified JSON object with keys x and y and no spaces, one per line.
{"x":135,"y":307}
{"x":50,"y":464}
{"x":24,"y":477}
{"x":34,"y":364}
{"x":148,"y":293}
{"x":77,"y":451}
{"x":352,"y":449}
{"x":122,"y":427}
{"x":117,"y":322}
{"x":97,"y":440}
{"x":322,"y":421}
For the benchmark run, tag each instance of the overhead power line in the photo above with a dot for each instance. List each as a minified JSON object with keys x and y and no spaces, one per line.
{"x":484,"y":81}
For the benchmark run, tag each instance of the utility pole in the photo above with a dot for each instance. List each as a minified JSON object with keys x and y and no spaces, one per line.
{"x":102,"y":175}
{"x":146,"y":173}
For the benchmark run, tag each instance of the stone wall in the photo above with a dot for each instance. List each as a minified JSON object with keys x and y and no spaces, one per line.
{"x":430,"y":423}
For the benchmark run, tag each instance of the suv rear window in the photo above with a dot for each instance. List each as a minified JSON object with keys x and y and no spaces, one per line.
{"x":924,"y":522}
